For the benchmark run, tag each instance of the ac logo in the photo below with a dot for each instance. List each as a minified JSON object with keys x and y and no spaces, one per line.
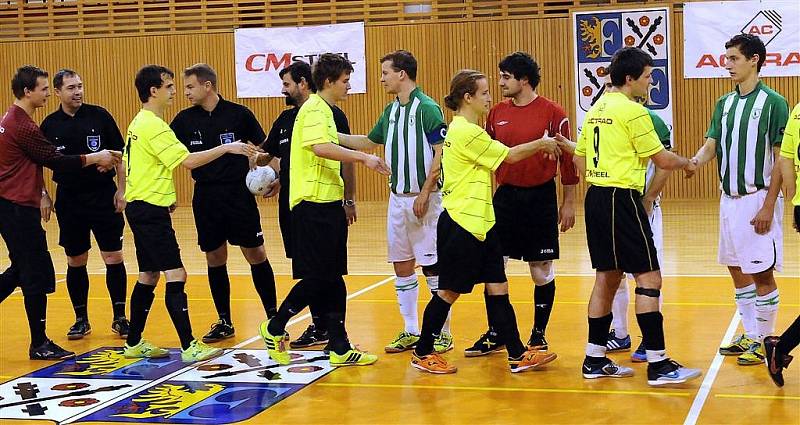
{"x":766,"y":24}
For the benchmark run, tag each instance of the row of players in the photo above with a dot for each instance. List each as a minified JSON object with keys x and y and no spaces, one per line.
{"x":412,"y":129}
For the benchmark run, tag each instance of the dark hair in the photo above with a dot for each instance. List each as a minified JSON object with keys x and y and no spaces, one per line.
{"x":465,"y":81}
{"x":150,"y":76}
{"x":58,"y":79}
{"x":204,"y":72}
{"x":299,"y":70}
{"x":628,"y":61}
{"x":749,"y":45}
{"x":26,"y":77}
{"x":522,"y":65}
{"x":330,"y":67}
{"x":403,"y":60}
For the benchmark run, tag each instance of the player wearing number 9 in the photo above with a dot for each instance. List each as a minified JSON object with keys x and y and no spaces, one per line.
{"x":619,"y":137}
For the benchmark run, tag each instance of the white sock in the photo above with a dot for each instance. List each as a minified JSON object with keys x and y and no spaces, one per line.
{"x":654,"y":356}
{"x":746,"y":304}
{"x":446,"y":327}
{"x":619,"y":309}
{"x":407,"y":290}
{"x":766,"y":311}
{"x":593,"y":350}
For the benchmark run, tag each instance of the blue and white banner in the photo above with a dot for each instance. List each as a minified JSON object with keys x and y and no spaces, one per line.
{"x":599,"y":34}
{"x":708,"y":25}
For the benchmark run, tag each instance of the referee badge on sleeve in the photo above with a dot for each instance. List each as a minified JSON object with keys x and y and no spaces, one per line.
{"x":93,"y":143}
{"x":226,"y":138}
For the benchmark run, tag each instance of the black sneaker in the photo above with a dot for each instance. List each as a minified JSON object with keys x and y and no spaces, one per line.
{"x":219,"y":331}
{"x":775,"y":359}
{"x":80,"y":329}
{"x":310,"y":337}
{"x":49,"y":351}
{"x":121,"y":326}
{"x":669,"y":372}
{"x":488,"y":343}
{"x":537,"y":341}
{"x":603,"y":367}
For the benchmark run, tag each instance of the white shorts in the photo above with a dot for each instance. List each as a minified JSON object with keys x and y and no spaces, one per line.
{"x":657,"y":225}
{"x":739,"y":244}
{"x":411,"y":238}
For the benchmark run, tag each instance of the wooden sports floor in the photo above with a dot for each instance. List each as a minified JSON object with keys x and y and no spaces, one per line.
{"x":698,"y":308}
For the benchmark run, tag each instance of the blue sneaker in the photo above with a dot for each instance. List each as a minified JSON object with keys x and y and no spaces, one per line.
{"x":614,"y":344}
{"x":640,"y":355}
{"x":605,"y":369}
{"x":670,"y":372}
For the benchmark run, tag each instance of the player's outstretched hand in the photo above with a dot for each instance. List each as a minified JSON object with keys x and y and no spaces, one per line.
{"x":239,"y":148}
{"x":549,"y":146}
{"x":690,"y":169}
{"x":375,"y":163}
{"x":105,"y":160}
{"x":565,"y":144}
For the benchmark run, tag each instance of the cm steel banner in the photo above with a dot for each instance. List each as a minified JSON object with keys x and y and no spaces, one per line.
{"x":708,"y":25}
{"x":262,"y":52}
{"x":598,"y":34}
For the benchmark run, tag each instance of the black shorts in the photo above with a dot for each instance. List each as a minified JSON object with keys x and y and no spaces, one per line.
{"x":226,"y":212}
{"x":319,"y":241}
{"x":285,"y":221}
{"x":618,"y":231}
{"x":79,"y":213}
{"x":527,"y":221}
{"x":22,"y":231}
{"x":797,"y":218}
{"x":464,"y":261}
{"x":156,"y":247}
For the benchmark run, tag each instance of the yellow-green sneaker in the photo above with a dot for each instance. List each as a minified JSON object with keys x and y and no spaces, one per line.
{"x":443,"y":343}
{"x":738,"y":346}
{"x":353,"y":357}
{"x":144,"y":350}
{"x":404,"y":341}
{"x":199,"y":351}
{"x":754,"y":355}
{"x":276,"y":345}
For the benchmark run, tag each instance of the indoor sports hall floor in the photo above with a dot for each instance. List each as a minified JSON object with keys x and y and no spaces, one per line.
{"x":698,"y":309}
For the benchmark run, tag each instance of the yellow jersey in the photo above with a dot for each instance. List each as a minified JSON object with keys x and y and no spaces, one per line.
{"x":313,"y":178}
{"x":469,"y":157}
{"x":617,"y":138}
{"x":152,"y":151}
{"x":790,"y":148}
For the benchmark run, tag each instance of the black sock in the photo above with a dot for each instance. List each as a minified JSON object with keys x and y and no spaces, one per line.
{"x":318,"y":314}
{"x":432,"y":321}
{"x":117,"y":283}
{"x":543,"y":297}
{"x":221,"y":291}
{"x":264,"y":281}
{"x":489,"y":316}
{"x":336,"y":294}
{"x":36,"y":310}
{"x":178,"y":309}
{"x":598,"y":329}
{"x":9,"y":280}
{"x":78,"y":287}
{"x":141,"y":301}
{"x":505,"y":320}
{"x":297,"y":299}
{"x":652,"y":326}
{"x":790,"y":337}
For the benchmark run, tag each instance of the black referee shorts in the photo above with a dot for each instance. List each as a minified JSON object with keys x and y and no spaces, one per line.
{"x":319,"y":241}
{"x":285,"y":220}
{"x":91,"y":210}
{"x":527,"y":221}
{"x":226,"y":213}
{"x":618,"y":231}
{"x":156,"y":247}
{"x":22,"y":231}
{"x":464,"y":261}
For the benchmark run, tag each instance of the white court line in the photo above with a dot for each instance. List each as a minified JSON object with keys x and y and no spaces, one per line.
{"x":308,"y":315}
{"x":711,"y":375}
{"x":182,"y":370}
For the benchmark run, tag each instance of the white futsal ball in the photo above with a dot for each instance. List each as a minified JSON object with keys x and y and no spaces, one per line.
{"x":259,"y":179}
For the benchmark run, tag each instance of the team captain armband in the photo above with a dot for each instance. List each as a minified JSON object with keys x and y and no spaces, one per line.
{"x":437,"y":135}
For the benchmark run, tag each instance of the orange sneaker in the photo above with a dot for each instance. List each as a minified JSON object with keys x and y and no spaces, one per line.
{"x":530,"y":359}
{"x":432,"y":363}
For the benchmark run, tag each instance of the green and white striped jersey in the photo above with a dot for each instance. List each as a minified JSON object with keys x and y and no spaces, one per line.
{"x":408,"y":133}
{"x":664,"y":135}
{"x":746,"y":129}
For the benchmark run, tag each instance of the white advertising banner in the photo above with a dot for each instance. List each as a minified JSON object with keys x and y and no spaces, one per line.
{"x":599,"y":34}
{"x":262,"y":52}
{"x":708,"y":25}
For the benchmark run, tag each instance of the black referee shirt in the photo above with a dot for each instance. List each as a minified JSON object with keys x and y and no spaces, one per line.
{"x":92,"y":129}
{"x":201,"y":130}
